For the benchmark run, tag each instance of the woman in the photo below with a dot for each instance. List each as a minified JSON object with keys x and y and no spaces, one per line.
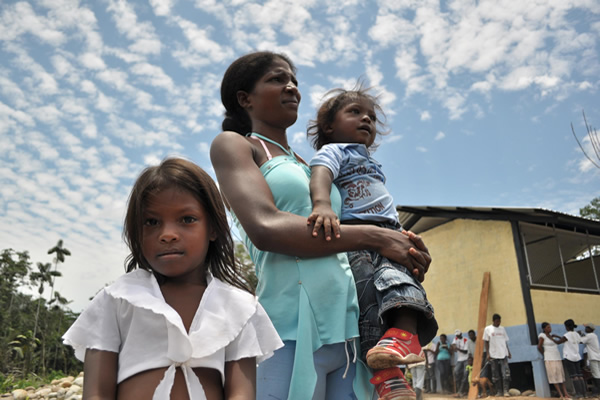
{"x":305,"y":286}
{"x":443,"y":354}
{"x":548,"y":346}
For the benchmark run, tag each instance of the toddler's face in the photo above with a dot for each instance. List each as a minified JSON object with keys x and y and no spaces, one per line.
{"x":354,"y":123}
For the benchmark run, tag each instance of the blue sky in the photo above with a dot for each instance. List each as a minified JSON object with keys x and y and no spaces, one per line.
{"x":479,"y":97}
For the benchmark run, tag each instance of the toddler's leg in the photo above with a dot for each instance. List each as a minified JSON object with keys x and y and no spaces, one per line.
{"x":404,"y":308}
{"x":369,"y":327}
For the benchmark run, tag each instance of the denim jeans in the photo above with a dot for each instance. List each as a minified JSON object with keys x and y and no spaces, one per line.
{"x":430,"y":383}
{"x":382,"y":285}
{"x":459,"y":376}
{"x":500,"y":372}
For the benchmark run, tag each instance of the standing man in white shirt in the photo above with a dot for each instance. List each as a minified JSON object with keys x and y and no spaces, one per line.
{"x":593,"y":354}
{"x":572,"y":358}
{"x":461,"y":348}
{"x":498,"y":353}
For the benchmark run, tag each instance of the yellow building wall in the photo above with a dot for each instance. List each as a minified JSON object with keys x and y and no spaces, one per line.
{"x":462,"y":250}
{"x":556,"y":307}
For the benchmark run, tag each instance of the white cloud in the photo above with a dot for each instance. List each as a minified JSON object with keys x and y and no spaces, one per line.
{"x":142,"y":34}
{"x":155,"y":76}
{"x":162,"y":7}
{"x":440,"y":135}
{"x":425,"y":116}
{"x":92,"y":61}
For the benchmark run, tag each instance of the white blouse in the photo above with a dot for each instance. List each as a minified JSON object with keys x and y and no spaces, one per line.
{"x":131,"y":317}
{"x":551,"y":352}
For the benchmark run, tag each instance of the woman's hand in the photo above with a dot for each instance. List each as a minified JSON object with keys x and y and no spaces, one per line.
{"x":408,"y":249}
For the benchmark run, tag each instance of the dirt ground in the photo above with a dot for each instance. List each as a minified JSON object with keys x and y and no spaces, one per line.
{"x":437,"y":396}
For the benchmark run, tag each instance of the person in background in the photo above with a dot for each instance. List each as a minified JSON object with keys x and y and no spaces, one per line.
{"x":417,"y":371}
{"x":430,"y":382}
{"x":498,"y":353}
{"x":593,"y":354}
{"x":471,"y":343}
{"x":443,"y":354}
{"x":572,"y":357}
{"x":461,"y":349}
{"x":548,"y":346}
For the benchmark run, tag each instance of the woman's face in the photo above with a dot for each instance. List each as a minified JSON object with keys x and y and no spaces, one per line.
{"x":275,"y":98}
{"x":548,"y":329}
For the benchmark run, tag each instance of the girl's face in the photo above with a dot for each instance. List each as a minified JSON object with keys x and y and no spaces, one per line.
{"x":547,"y":329}
{"x":354,"y":123}
{"x":275,"y":98}
{"x":176,"y":235}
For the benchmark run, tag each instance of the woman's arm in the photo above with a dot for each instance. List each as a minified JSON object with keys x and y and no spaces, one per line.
{"x":558,"y":339}
{"x":100,"y":371}
{"x":240,"y":379}
{"x":540,"y":345}
{"x":270,"y":229}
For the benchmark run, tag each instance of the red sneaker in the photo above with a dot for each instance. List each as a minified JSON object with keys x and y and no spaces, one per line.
{"x":395,"y":347}
{"x":391,"y":384}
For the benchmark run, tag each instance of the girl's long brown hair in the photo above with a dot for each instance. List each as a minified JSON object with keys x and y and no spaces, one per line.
{"x":177,"y":172}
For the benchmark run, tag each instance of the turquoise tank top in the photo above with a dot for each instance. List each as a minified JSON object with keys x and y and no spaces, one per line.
{"x":309,"y":300}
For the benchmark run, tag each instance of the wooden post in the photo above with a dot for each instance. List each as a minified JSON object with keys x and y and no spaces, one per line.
{"x":483,"y":305}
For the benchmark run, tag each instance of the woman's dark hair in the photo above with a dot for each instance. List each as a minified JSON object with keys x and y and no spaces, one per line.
{"x":185,"y":175}
{"x":544,"y":325}
{"x":243,"y":74}
{"x":336,"y":99}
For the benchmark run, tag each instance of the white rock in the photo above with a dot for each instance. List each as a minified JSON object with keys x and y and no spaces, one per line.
{"x":74,"y":389}
{"x":78,"y":381}
{"x":43,"y":392}
{"x":20,"y":394}
{"x":514,"y":392}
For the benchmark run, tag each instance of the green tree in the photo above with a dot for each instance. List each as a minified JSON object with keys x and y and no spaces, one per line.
{"x":591,"y":210}
{"x":246,"y":265}
{"x":60,"y":252}
{"x":23,"y":347}
{"x":31,"y":326}
{"x":44,"y":275}
{"x":14,"y":268}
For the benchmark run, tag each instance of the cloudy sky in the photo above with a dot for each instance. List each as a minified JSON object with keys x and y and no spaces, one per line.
{"x":479,"y":96}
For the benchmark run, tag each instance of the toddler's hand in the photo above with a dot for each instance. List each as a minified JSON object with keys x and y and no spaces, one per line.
{"x":326,"y":218}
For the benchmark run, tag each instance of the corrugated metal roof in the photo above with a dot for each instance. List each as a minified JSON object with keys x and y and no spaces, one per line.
{"x":421,"y":218}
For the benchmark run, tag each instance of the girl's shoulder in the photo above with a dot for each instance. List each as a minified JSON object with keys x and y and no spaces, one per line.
{"x":217,"y":287}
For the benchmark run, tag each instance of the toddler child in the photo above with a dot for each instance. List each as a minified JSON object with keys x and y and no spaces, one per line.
{"x":181,"y":323}
{"x":395,"y":315}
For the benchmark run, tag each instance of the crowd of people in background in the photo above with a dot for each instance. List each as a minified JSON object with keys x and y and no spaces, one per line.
{"x":448,"y":365}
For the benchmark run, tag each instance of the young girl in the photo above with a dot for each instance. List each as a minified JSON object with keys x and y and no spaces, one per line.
{"x":395,"y":313}
{"x":305,"y":286}
{"x":181,"y":324}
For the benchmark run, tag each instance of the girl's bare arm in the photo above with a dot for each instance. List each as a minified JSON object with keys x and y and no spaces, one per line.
{"x":100,"y":371}
{"x":240,"y":379}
